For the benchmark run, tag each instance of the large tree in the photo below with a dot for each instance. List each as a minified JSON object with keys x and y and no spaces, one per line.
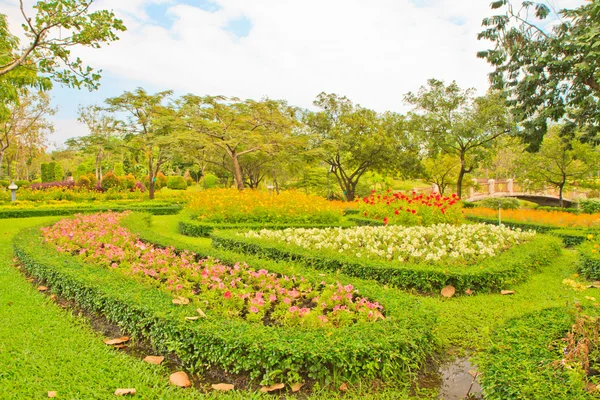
{"x":454,"y":121}
{"x":561,"y":160}
{"x":548,"y":62}
{"x":149,"y":127}
{"x":353,"y":139}
{"x":237,"y":128}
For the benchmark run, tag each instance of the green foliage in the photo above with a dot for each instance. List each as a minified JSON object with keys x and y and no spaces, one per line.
{"x":571,"y":210}
{"x":571,"y":237}
{"x":84,"y":181}
{"x":59,"y":173}
{"x":22,"y":183}
{"x":110,"y":181}
{"x":393,"y":349}
{"x":589,"y":260}
{"x":127,"y":182}
{"x":590,"y":206}
{"x":47,"y":176}
{"x":43,"y":211}
{"x":211,"y":181}
{"x":118,"y":169}
{"x":176,"y":183}
{"x":506,"y":203}
{"x":546,"y":63}
{"x":491,"y":274}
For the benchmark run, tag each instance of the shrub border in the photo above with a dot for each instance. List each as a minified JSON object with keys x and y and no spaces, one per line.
{"x":47,"y":212}
{"x":494,"y":274}
{"x":393,"y":349}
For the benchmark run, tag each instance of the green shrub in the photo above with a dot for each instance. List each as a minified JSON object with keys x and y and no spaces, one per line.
{"x":571,"y":237}
{"x":45,"y":211}
{"x":491,"y":274}
{"x":176,"y":183}
{"x":590,"y":206}
{"x":204,"y":229}
{"x":110,"y":181}
{"x":47,"y":172}
{"x":127,"y":182}
{"x":211,"y":181}
{"x":118,"y":169}
{"x":393,"y":349}
{"x":593,"y":194}
{"x":589,"y":260}
{"x":561,"y":209}
{"x":59,"y":173}
{"x":84,"y":181}
{"x":4,"y":183}
{"x":22,"y":183}
{"x":361,"y":221}
{"x":507,"y":203}
{"x":519,"y":362}
{"x":540,"y":228}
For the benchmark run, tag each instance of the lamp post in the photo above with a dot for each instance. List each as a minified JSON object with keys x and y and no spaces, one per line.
{"x":13,"y":191}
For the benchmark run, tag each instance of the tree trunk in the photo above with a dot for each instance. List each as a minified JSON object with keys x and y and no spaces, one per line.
{"x":151,"y":183}
{"x":237,"y":171}
{"x":1,"y":161}
{"x":560,"y":195}
{"x":350,"y":190}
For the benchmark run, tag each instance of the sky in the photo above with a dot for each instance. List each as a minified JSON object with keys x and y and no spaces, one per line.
{"x":372,"y":51}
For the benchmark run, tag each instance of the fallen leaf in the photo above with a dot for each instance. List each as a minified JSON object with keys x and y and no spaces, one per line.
{"x":505,"y":292}
{"x":42,"y":288}
{"x":119,"y":346}
{"x":473,"y":373}
{"x":52,"y":394}
{"x":199,"y":311}
{"x":180,"y":379}
{"x":343,"y":387}
{"x":191,"y":318}
{"x":123,"y":392}
{"x":297,"y":386}
{"x":272,"y":388}
{"x":448,"y":291}
{"x":590,"y":387}
{"x":469,"y":291}
{"x":117,"y":340}
{"x":156,"y":360}
{"x":181,"y":300}
{"x":378,"y":315}
{"x":29,"y":279}
{"x":52,"y":297}
{"x":223,"y":387}
{"x":594,"y":286}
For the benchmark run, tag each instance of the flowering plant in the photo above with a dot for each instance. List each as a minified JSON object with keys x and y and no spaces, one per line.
{"x":412,"y":209}
{"x":554,"y":218}
{"x":455,"y":245}
{"x":234,"y":206}
{"x":236,"y":291}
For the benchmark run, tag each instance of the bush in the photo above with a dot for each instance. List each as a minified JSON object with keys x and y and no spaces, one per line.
{"x":59,"y":173}
{"x":92,"y":178}
{"x":520,"y":362}
{"x":526,"y":217}
{"x":392,"y":349}
{"x":47,"y":173}
{"x":491,"y":274}
{"x":128,"y":182}
{"x":84,"y":181}
{"x":110,"y":181}
{"x":118,"y":169}
{"x":590,"y":206}
{"x":22,"y":183}
{"x":570,"y":210}
{"x":211,"y":181}
{"x":589,"y":258}
{"x":176,"y":183}
{"x":506,"y":203}
{"x":161,"y":180}
{"x":593,"y":194}
{"x":30,"y":212}
{"x":4,"y":183}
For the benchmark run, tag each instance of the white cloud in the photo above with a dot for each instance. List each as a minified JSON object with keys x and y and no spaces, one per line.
{"x":372,"y":51}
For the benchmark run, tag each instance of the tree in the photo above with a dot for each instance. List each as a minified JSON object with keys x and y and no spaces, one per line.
{"x":453,"y":121}
{"x":442,"y":170}
{"x":561,"y":160}
{"x":26,"y":126}
{"x":238,"y":127}
{"x":547,"y":61}
{"x":353,"y":140}
{"x":58,"y":26}
{"x":103,"y":137}
{"x":149,"y":128}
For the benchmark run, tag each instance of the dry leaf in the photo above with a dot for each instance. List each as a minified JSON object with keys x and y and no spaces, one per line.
{"x":117,"y":340}
{"x":590,"y":387}
{"x":154,"y":359}
{"x":180,"y":379}
{"x":191,"y":318}
{"x":469,"y":291}
{"x":223,"y":387}
{"x":378,"y":315}
{"x":272,"y":388}
{"x":123,"y":392}
{"x":52,"y":297}
{"x":181,"y":300}
{"x":343,"y":387}
{"x":297,"y":386}
{"x":593,"y":286}
{"x":505,"y":292}
{"x":29,"y":279}
{"x":42,"y":288}
{"x":448,"y":291}
{"x":52,"y":394}
{"x":119,"y":346}
{"x":199,"y":311}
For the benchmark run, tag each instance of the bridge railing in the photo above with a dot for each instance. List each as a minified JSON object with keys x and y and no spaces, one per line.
{"x":508,"y":187}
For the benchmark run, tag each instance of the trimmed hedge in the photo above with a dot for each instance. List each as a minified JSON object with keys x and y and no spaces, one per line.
{"x":571,"y":237}
{"x":492,"y":274}
{"x":7,"y":212}
{"x":518,"y":362}
{"x":393,"y":349}
{"x":204,"y":229}
{"x":361,"y":221}
{"x":571,"y":210}
{"x":512,"y":224}
{"x":589,"y":260}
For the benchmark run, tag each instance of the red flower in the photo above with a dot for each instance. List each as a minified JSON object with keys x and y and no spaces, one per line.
{"x":227,"y":294}
{"x":414,"y":211}
{"x":396,"y":212}
{"x":385,"y":221}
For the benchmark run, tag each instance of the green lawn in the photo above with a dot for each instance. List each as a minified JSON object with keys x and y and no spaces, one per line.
{"x":44,"y":347}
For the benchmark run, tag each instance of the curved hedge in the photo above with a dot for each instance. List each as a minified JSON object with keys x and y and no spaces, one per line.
{"x":491,"y":274}
{"x":518,"y":362}
{"x":65,"y":211}
{"x":204,"y":229}
{"x":589,"y":260}
{"x":393,"y":349}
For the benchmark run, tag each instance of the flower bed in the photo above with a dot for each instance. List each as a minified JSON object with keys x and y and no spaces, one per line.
{"x":343,"y":336}
{"x":28,"y":209}
{"x":589,"y":257}
{"x":232,"y":206}
{"x":412,"y":209}
{"x":536,"y":218}
{"x":452,"y":245}
{"x":521,"y":360}
{"x":490,"y":273}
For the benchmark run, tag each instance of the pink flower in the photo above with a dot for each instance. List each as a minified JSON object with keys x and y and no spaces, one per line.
{"x":227,"y":294}
{"x":253,"y":310}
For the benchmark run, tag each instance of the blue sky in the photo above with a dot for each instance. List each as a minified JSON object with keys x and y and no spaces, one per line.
{"x":373,"y":51}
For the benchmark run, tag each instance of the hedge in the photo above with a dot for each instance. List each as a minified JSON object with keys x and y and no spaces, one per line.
{"x":491,"y":274}
{"x":589,"y":260}
{"x":518,"y":364}
{"x":571,"y":237}
{"x":204,"y":229}
{"x":393,"y":349}
{"x":540,"y":228}
{"x":361,"y":221}
{"x":60,"y":211}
